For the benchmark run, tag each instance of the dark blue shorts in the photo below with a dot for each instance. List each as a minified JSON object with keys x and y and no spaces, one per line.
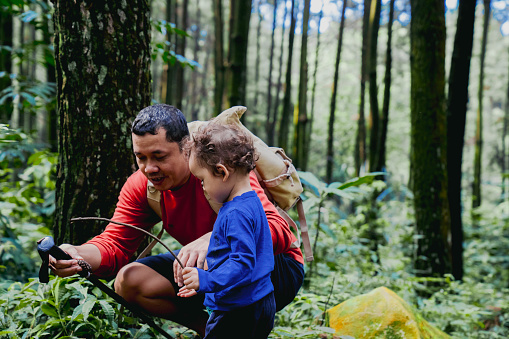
{"x":255,"y":321}
{"x":287,"y":277}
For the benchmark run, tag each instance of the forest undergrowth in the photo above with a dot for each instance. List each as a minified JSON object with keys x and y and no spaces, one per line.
{"x":363,"y":236}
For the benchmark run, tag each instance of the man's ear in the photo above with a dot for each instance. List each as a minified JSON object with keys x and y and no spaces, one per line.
{"x":223,"y":171}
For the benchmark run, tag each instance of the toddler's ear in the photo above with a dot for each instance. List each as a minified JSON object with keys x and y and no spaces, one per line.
{"x":223,"y":171}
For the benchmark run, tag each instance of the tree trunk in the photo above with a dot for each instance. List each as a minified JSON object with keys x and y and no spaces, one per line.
{"x":374,"y":25}
{"x":257,"y":62}
{"x":95,"y":155}
{"x":179,"y":69}
{"x":5,"y":61}
{"x":299,"y":145}
{"x":476,"y":185}
{"x":313,"y":91}
{"x":240,"y":15}
{"x":275,"y":115}
{"x":428,"y":137}
{"x":332,"y":114}
{"x":360,"y":140}
{"x":170,"y":70}
{"x":269,"y":124}
{"x":193,"y":100}
{"x":284,"y":127}
{"x":384,"y":122}
{"x":219,"y":69}
{"x":456,"y":117}
{"x":505,"y":161}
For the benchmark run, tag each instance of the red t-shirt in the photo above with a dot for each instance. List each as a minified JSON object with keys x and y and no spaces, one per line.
{"x":187,"y":216}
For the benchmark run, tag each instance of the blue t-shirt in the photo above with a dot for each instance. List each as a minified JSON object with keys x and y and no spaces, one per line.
{"x":239,"y":257}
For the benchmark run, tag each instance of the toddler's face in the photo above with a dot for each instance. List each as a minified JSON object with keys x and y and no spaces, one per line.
{"x":218,"y":189}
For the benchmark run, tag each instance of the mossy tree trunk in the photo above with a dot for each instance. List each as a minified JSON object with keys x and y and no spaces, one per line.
{"x":102,"y":54}
{"x":428,"y":137}
{"x":374,"y":113}
{"x":456,"y":117}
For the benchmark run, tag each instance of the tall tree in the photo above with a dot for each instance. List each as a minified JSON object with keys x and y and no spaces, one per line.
{"x":170,"y":70}
{"x":240,"y":15}
{"x":284,"y":127}
{"x":456,"y":117}
{"x":384,"y":119}
{"x":374,"y":142}
{"x":257,"y":62}
{"x":95,"y":119}
{"x":313,"y":90}
{"x":476,"y":185}
{"x":219,"y":68}
{"x":428,"y":137}
{"x":332,"y":114}
{"x":194,"y":75}
{"x":269,"y":125}
{"x":299,"y":145}
{"x":360,"y":139}
{"x":5,"y":58}
{"x":181,"y":50}
{"x":505,"y":161}
{"x":275,"y":115}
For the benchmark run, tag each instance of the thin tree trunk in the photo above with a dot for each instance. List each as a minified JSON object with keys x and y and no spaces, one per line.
{"x":240,"y":16}
{"x":193,"y":100}
{"x":313,"y":91}
{"x":275,"y":115}
{"x":428,"y":137}
{"x":268,"y":124}
{"x":179,"y":69}
{"x":384,"y":122}
{"x":219,"y":69}
{"x":6,"y":34}
{"x":332,"y":114}
{"x":476,"y":185}
{"x":456,"y":117}
{"x":95,"y":120}
{"x":505,"y":160}
{"x":257,"y":62}
{"x":17,"y":68}
{"x":360,"y":140}
{"x":374,"y":24}
{"x":170,"y":70}
{"x":284,"y":127}
{"x":302,"y":121}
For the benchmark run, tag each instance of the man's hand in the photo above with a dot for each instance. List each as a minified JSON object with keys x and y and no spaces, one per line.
{"x":191,"y":281}
{"x":191,"y":255}
{"x":65,"y":268}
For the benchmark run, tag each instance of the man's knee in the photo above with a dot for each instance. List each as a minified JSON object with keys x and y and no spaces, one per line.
{"x":128,"y":282}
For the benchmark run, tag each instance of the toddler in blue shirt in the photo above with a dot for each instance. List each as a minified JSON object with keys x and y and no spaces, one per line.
{"x":237,"y":284}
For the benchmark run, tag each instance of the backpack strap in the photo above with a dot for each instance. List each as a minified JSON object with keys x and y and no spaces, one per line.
{"x":308,"y":252}
{"x":154,"y":201}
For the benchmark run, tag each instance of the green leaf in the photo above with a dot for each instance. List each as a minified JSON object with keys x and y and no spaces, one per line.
{"x":49,"y":310}
{"x":87,"y":307}
{"x":365,"y":179}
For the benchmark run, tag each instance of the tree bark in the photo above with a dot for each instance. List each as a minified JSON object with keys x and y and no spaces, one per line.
{"x":240,"y":15}
{"x":428,"y":137}
{"x":476,"y":185}
{"x":456,"y":117}
{"x":5,"y":61}
{"x":384,"y":122}
{"x":257,"y":62}
{"x":284,"y":127}
{"x":374,"y":142}
{"x":219,"y":69}
{"x":332,"y":114}
{"x":360,"y":139}
{"x":505,"y":161}
{"x":193,"y":100}
{"x":269,"y":126}
{"x":170,"y":70}
{"x":95,"y":155}
{"x":299,"y":145}
{"x":179,"y":69}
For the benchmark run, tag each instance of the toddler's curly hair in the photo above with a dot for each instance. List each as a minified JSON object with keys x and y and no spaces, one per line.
{"x":228,"y":145}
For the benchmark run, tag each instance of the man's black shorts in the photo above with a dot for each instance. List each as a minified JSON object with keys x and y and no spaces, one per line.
{"x":287,"y":277}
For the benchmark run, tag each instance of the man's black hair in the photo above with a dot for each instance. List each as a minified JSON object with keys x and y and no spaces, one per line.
{"x":151,"y":118}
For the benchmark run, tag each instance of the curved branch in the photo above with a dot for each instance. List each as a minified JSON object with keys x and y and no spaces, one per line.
{"x":136,"y":228}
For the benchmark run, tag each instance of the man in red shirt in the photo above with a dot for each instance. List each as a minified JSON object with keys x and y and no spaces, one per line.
{"x":152,"y":283}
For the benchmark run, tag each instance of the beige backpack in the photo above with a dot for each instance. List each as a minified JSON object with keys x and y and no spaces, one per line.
{"x":276,"y":175}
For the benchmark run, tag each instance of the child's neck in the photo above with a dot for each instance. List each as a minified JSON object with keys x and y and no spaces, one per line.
{"x":242,"y":185}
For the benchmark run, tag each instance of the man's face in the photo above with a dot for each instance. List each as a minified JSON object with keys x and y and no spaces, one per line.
{"x":161,"y":161}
